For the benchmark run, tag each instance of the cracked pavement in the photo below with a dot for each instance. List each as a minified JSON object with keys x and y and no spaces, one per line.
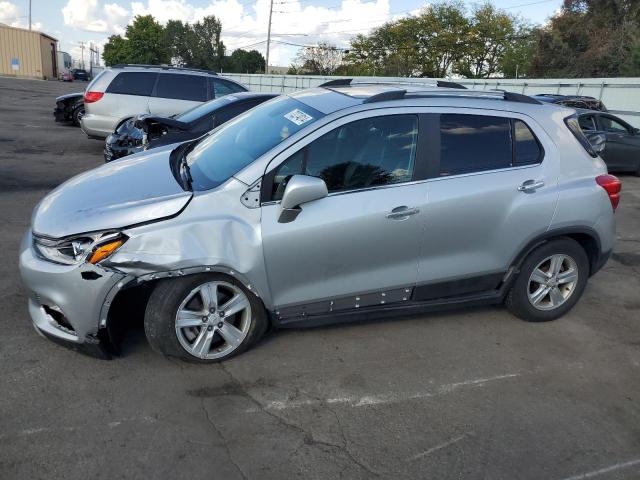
{"x":466,"y":394}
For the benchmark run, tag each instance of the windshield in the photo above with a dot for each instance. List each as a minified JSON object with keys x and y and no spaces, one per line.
{"x":239,"y":142}
{"x":206,"y":108}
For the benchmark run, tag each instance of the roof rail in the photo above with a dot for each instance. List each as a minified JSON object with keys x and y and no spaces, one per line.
{"x":341,"y":82}
{"x":163,"y":67}
{"x":388,"y":95}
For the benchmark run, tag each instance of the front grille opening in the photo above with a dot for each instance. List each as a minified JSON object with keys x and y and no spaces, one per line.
{"x":58,"y":317}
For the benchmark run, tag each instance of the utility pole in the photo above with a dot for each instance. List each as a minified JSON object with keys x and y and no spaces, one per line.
{"x":29,"y":14}
{"x":266,"y":66}
{"x":82,"y":50}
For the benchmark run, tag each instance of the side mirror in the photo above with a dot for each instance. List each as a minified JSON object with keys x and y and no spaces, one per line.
{"x":598,"y":141}
{"x":300,"y":189}
{"x":635,"y":131}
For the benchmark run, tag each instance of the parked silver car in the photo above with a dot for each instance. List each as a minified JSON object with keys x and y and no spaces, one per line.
{"x":343,"y":201}
{"x":124,"y":91}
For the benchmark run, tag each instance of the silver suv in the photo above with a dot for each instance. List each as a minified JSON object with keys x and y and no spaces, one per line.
{"x":343,"y":201}
{"x":123,"y":91}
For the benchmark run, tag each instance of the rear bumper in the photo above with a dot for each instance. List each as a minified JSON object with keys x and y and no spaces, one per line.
{"x":95,"y":126}
{"x":63,"y":305}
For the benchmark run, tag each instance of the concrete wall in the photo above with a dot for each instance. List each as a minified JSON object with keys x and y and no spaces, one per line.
{"x":27,"y":46}
{"x":620,"y":95}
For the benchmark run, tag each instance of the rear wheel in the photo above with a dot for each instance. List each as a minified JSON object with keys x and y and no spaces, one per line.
{"x":551,"y":280}
{"x":203,"y":318}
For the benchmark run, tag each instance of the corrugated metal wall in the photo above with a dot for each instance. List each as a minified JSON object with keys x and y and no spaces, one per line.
{"x":30,"y":48}
{"x":620,"y":95}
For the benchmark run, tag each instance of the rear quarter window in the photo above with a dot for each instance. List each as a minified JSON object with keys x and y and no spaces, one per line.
{"x":133,"y":83}
{"x":221,"y":88}
{"x":182,"y":87}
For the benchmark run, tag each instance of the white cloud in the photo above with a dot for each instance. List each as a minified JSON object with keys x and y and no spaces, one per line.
{"x":245,"y":24}
{"x":12,"y":15}
{"x":88,"y":15}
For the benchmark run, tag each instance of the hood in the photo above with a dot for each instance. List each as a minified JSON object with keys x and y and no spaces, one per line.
{"x":126,"y":192}
{"x":144,"y":121}
{"x":68,"y":96}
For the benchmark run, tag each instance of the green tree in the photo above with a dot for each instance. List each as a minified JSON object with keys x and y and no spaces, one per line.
{"x":242,"y":61}
{"x":590,"y":38}
{"x":116,"y":50}
{"x":323,"y":59}
{"x":205,"y":44}
{"x":146,"y":41}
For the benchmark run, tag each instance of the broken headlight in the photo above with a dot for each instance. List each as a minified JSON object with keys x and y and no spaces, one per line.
{"x":92,"y":248}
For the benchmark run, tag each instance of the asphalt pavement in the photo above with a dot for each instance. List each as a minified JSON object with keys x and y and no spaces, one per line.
{"x":467,"y":394}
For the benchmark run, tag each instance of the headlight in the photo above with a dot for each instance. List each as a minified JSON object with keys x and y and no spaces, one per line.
{"x":92,"y":248}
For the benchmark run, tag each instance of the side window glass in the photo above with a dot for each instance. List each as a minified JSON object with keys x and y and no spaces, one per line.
{"x":365,"y":153}
{"x":133,"y":83}
{"x":610,"y":125}
{"x":227,"y":113}
{"x":220,"y":88}
{"x":527,"y":148}
{"x":473,"y":143}
{"x":182,"y":87}
{"x":587,"y":123}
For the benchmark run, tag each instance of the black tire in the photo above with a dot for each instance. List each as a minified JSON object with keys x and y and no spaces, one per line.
{"x":517,"y":300}
{"x":159,"y":320}
{"x":77,"y":115}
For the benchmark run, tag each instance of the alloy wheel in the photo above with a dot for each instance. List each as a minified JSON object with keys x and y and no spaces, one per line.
{"x":552,"y":282}
{"x":213,"y":320}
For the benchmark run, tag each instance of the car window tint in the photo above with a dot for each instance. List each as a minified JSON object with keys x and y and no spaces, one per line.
{"x":611,"y":125}
{"x":527,"y":148}
{"x":231,"y":111}
{"x":473,"y":143}
{"x":182,"y":87}
{"x":587,"y":123}
{"x":221,"y":87}
{"x":365,"y":153}
{"x":133,"y":83}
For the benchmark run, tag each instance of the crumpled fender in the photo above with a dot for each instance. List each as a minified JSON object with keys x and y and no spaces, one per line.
{"x":215,"y":232}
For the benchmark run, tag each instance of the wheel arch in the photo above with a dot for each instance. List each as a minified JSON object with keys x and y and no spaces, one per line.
{"x":127,"y":301}
{"x":586,"y":237}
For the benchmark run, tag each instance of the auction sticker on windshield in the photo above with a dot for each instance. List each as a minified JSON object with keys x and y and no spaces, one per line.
{"x":298,"y":117}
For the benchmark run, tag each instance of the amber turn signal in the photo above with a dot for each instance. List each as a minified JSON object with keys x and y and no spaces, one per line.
{"x":103,"y":251}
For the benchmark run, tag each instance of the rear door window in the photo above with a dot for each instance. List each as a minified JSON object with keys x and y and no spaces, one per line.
{"x":133,"y":83}
{"x":220,"y":88}
{"x":182,"y":87}
{"x":613,"y":126}
{"x":474,"y":143}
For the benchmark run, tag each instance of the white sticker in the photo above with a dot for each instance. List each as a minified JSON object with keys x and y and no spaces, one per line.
{"x":298,"y":117}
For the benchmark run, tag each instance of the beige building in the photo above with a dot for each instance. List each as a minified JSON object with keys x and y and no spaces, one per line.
{"x":27,"y":53}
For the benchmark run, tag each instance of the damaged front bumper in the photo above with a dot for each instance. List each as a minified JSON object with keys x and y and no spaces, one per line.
{"x":68,"y":303}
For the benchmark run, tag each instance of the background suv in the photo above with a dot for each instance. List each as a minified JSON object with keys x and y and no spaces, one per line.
{"x":123,"y":91}
{"x":338,"y":202}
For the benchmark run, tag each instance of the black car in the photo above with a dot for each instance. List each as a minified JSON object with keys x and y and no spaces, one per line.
{"x":573,"y":101}
{"x":80,"y":74}
{"x":622,"y":141}
{"x":145,"y":131}
{"x":69,"y":108}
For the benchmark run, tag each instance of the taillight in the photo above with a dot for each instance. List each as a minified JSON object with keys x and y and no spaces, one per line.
{"x":90,"y":97}
{"x":613,"y":186}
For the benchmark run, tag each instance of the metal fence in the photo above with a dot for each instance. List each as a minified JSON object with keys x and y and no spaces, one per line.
{"x":620,"y":95}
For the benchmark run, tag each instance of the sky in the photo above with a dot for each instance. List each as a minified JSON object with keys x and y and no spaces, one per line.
{"x":244,"y":22}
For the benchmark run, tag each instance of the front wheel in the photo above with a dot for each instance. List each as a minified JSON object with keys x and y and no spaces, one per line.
{"x":551,"y":280}
{"x":78,"y":113}
{"x":203,"y":318}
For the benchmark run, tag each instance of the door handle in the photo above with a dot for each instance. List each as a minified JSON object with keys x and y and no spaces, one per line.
{"x":400,"y":213}
{"x":530,"y":186}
